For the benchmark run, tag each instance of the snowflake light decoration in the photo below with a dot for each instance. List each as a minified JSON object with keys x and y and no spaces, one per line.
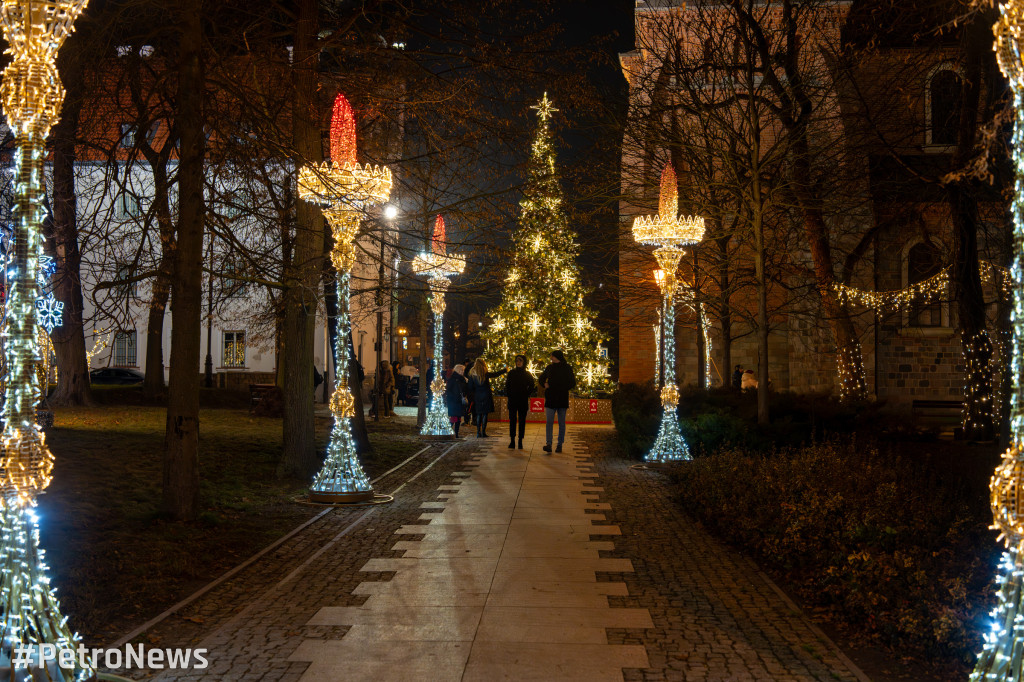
{"x":50,"y":312}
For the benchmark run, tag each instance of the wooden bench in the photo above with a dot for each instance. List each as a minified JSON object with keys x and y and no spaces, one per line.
{"x":257,"y":392}
{"x":938,"y":411}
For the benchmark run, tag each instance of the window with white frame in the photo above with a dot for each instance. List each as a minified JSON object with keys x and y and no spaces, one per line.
{"x":234,"y":349}
{"x":231,"y":283}
{"x":126,"y":285}
{"x":943,"y":103}
{"x":125,"y":354}
{"x":127,"y":135}
{"x":129,"y":205}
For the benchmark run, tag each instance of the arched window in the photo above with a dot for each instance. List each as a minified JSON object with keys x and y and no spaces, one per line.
{"x":924,"y":261}
{"x":943,"y":106}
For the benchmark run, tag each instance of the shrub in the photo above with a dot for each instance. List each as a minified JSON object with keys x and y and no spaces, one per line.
{"x":870,"y":538}
{"x":636,"y":411}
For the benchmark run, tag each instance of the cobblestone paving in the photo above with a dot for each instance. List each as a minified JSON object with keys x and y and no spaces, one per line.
{"x":253,"y":623}
{"x":716,"y":616}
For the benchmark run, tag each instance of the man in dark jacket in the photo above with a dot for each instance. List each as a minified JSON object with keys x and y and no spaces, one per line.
{"x":519,"y":386}
{"x":556,"y":380}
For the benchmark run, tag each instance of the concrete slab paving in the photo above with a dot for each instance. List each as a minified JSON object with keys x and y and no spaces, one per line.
{"x":507,"y":564}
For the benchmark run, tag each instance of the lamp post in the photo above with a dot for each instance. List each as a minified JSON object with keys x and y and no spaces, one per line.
{"x":1002,"y":657}
{"x":32,"y":95}
{"x":438,"y":266}
{"x":343,"y":189}
{"x":669,"y":233}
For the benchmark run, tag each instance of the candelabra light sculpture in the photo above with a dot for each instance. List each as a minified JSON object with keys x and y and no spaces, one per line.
{"x":669,"y":233}
{"x":1002,"y":657}
{"x":32,"y":95}
{"x":344,"y":190}
{"x":438,"y":265}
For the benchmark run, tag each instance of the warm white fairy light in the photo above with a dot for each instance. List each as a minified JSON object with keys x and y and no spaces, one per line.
{"x":438,"y":265}
{"x":1002,"y":657}
{"x":669,"y":233}
{"x":343,"y":189}
{"x":933,"y":289}
{"x":31,"y":94}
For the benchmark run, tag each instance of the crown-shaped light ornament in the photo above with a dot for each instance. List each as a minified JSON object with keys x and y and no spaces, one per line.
{"x":669,"y":233}
{"x":344,"y":190}
{"x":438,"y":265}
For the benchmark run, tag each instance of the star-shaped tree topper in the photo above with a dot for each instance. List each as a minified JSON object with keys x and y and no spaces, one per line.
{"x":544,"y":107}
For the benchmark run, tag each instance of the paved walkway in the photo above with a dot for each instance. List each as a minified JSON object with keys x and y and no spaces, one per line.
{"x":500,"y":585}
{"x":497,"y":564}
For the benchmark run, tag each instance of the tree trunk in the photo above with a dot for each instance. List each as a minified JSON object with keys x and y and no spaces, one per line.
{"x":763,"y":416}
{"x":299,"y":457}
{"x":181,"y":442}
{"x":421,"y":404}
{"x":979,"y":381}
{"x":68,"y":339}
{"x":153,"y":384}
{"x":698,"y":309}
{"x":725,"y":311}
{"x":359,"y":434}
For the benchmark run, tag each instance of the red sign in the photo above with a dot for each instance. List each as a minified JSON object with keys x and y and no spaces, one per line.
{"x":536,"y":404}
{"x":593,"y":406}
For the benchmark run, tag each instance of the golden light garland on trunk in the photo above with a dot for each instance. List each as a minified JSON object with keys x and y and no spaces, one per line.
{"x":32,"y":95}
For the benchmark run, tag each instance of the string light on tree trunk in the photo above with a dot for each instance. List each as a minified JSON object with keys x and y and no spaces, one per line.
{"x":438,"y":266}
{"x":344,"y":190}
{"x":669,"y":233}
{"x":1002,"y":657}
{"x":32,"y":95}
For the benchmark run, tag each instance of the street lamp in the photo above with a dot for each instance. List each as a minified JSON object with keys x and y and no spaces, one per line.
{"x":669,"y":233}
{"x":343,"y":189}
{"x":438,"y":265}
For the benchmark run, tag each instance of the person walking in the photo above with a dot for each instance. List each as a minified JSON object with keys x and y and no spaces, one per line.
{"x":519,"y":386}
{"x":455,"y":396}
{"x":482,"y":395}
{"x":557,"y":380}
{"x":737,"y":377}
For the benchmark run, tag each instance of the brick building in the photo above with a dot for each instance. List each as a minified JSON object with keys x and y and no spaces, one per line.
{"x":883,"y":126}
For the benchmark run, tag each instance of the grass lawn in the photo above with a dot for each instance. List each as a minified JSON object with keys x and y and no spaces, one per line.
{"x":114,"y":561}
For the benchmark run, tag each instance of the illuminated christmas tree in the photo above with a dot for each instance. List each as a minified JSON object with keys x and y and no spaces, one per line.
{"x":543,"y":301}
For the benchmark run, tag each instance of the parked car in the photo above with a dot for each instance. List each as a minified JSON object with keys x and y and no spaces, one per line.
{"x":116,"y":376}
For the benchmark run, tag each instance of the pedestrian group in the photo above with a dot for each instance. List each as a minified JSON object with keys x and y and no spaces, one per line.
{"x":473,"y":395}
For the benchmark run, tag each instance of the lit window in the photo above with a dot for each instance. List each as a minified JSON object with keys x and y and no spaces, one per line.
{"x":234,"y":349}
{"x":124,"y":348}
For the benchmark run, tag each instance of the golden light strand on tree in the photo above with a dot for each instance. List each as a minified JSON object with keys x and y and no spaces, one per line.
{"x":438,"y":266}
{"x":1002,"y":657}
{"x":926,"y":291}
{"x":344,"y":190}
{"x":669,"y":233}
{"x":32,"y":95}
